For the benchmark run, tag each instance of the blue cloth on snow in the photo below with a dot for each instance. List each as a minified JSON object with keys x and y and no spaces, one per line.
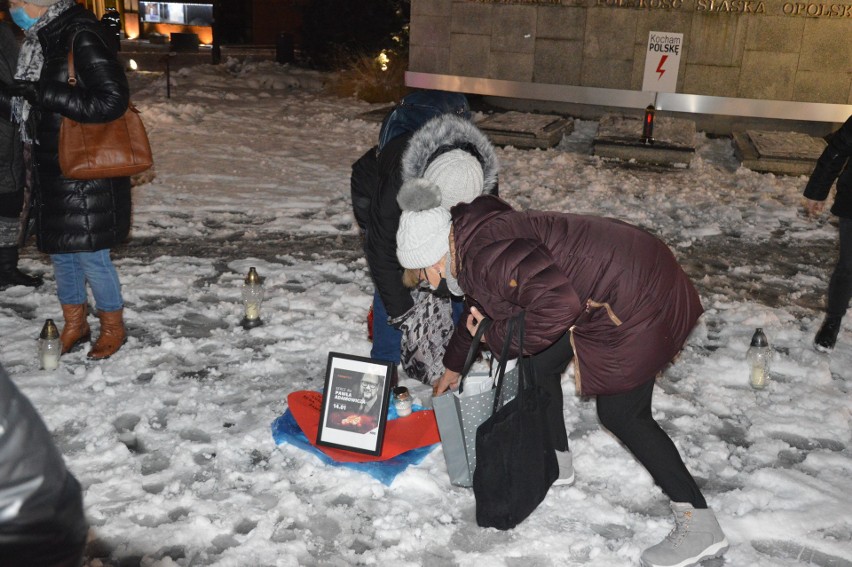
{"x":286,"y":430}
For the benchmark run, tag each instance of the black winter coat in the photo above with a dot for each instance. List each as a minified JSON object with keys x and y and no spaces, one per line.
{"x":834,"y":163}
{"x":11,"y":150}
{"x":41,"y":505}
{"x":381,"y":230}
{"x":402,"y":159}
{"x":73,"y":215}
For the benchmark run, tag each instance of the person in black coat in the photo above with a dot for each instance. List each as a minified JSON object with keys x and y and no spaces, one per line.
{"x":42,"y":522}
{"x":438,"y":150}
{"x":12,"y":180}
{"x":835,"y":164}
{"x":375,"y":181}
{"x":76,"y":222}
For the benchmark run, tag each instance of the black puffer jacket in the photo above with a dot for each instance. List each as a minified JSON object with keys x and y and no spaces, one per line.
{"x":11,"y":151}
{"x":405,"y":157}
{"x":835,"y":163}
{"x":382,"y":224}
{"x":73,"y":215}
{"x":41,"y":505}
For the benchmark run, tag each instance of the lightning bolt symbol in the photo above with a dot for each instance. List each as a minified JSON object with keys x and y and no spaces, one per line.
{"x":660,"y":69}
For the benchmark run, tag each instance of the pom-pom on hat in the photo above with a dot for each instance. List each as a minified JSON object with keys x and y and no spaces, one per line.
{"x":458,"y":174}
{"x":424,"y":227}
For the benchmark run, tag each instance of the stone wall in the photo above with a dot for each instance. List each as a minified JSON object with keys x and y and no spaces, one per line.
{"x":782,"y":50}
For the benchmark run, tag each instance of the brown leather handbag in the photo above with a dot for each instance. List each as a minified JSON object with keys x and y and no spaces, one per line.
{"x":99,"y":150}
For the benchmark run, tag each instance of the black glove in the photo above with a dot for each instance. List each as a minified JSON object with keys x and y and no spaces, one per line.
{"x":26,"y":89}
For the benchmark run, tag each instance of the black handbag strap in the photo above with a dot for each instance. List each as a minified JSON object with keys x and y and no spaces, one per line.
{"x":515,"y":323}
{"x":72,"y":72}
{"x":484,"y":325}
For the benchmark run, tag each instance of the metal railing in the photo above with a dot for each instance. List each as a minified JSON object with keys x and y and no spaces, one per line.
{"x":673,"y":102}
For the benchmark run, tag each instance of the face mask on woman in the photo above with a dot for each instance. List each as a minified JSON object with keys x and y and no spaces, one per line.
{"x":453,"y":284}
{"x":447,"y":285}
{"x":20,"y":17}
{"x":443,"y":290}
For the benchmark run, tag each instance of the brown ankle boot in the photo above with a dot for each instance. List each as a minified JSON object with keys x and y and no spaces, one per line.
{"x":76,"y":329}
{"x":113,"y":335}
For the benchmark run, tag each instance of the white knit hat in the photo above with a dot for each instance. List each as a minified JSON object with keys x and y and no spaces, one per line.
{"x":458,"y":174}
{"x":423,"y":236}
{"x":42,"y":2}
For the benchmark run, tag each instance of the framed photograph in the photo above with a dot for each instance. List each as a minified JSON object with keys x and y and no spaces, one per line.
{"x":355,"y":403}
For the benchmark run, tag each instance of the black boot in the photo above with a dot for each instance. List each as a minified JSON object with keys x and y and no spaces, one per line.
{"x":10,"y":274}
{"x":826,"y":337}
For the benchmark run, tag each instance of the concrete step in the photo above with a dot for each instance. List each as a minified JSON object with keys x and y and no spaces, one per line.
{"x":620,"y":137}
{"x":783,"y":153}
{"x":524,"y":130}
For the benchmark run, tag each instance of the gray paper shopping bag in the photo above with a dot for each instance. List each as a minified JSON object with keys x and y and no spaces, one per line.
{"x":459,"y":414}
{"x":458,"y":417}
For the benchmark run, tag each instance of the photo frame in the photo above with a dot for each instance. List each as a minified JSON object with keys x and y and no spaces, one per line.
{"x":355,"y":399}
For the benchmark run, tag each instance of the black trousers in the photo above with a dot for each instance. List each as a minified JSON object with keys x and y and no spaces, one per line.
{"x":627,"y":416}
{"x":840,"y":286}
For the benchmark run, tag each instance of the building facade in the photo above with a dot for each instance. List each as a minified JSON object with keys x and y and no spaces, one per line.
{"x":246,"y":22}
{"x":767,"y":58}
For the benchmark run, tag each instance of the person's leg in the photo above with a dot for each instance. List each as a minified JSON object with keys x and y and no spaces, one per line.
{"x":386,"y":339}
{"x":697,"y":535}
{"x":10,"y":275}
{"x":840,"y":286}
{"x":102,"y":278}
{"x":628,"y":417}
{"x":11,"y":204}
{"x":71,"y":290}
{"x":547,"y":368}
{"x":70,"y":279}
{"x":106,"y":288}
{"x":839,"y":291}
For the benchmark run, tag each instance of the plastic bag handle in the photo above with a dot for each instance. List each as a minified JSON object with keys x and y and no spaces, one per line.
{"x":484,"y":325}
{"x":516,"y":322}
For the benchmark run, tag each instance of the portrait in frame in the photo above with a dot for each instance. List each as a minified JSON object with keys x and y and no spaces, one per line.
{"x":355,"y":399}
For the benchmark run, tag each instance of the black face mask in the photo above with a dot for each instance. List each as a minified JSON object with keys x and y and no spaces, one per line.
{"x":443,"y":290}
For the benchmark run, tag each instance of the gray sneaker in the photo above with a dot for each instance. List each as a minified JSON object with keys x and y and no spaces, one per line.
{"x":695,"y":537}
{"x":566,"y":469}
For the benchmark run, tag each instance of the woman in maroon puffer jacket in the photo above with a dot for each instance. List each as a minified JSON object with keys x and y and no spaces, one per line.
{"x":594,"y":288}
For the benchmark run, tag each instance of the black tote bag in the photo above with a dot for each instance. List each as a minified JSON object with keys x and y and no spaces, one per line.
{"x":516,"y":463}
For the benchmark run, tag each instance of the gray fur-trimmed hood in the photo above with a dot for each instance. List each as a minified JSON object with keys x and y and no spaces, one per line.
{"x":445,"y":133}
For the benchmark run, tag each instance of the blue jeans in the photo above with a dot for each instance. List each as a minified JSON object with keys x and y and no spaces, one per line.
{"x":73,"y":270}
{"x":386,"y":339}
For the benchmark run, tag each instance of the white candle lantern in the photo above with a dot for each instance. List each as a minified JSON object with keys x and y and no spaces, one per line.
{"x":49,"y":346}
{"x":252,"y":298}
{"x":402,"y":401}
{"x":758,"y":356}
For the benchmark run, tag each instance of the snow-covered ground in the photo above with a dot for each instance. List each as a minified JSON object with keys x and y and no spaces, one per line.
{"x":171,"y":437}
